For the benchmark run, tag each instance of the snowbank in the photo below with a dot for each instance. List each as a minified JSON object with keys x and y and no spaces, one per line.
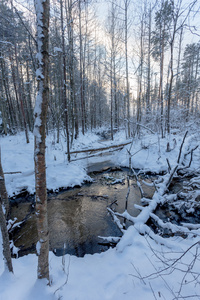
{"x":115,"y":274}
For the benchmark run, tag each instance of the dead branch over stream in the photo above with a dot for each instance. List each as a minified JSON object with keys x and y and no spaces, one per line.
{"x":100,"y":149}
{"x":147,"y":212}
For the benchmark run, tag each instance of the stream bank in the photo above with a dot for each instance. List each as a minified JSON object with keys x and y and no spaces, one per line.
{"x":78,"y":216}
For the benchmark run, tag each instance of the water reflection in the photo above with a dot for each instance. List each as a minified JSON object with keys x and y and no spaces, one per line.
{"x":77,"y":217}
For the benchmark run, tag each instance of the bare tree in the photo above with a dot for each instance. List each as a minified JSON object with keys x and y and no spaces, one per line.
{"x":4,"y":205}
{"x":114,"y":31}
{"x":65,"y":81}
{"x":42,"y":12}
{"x":176,"y":26}
{"x":126,"y":5}
{"x":160,"y":40}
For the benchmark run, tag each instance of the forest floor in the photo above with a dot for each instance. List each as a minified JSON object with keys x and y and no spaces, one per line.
{"x":140,"y":267}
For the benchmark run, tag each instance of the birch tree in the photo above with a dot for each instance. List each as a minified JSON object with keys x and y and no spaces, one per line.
{"x":42,"y":13}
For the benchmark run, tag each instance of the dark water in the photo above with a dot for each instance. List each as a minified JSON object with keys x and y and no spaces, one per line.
{"x":78,"y":216}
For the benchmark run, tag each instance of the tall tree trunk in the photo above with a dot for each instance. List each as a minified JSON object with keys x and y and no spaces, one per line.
{"x":148,"y":94}
{"x":170,"y":84}
{"x":178,"y":65}
{"x":161,"y":85}
{"x":3,"y":192}
{"x":4,"y":206}
{"x":139,"y":102}
{"x":42,"y":13}
{"x":28,"y":91}
{"x":111,"y":96}
{"x":20,"y":94}
{"x":18,"y":112}
{"x":65,"y":82}
{"x":127,"y":73}
{"x":71,"y":67}
{"x":81,"y":71}
{"x":13,"y":115}
{"x":3,"y":108}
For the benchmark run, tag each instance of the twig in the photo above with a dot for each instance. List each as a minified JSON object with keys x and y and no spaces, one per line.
{"x":139,"y":275}
{"x":138,"y":183}
{"x":171,"y":176}
{"x":10,"y":173}
{"x":178,"y":161}
{"x":25,"y":26}
{"x":152,"y":291}
{"x":191,"y":156}
{"x":116,"y":220}
{"x":145,"y":128}
{"x":66,"y":278}
{"x":170,"y":266}
{"x":169,"y":166}
{"x":126,"y":203}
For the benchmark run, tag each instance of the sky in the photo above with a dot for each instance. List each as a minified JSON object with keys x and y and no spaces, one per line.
{"x":101,"y":8}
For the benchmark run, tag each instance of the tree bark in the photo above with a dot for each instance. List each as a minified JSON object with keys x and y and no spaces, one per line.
{"x":127,"y":73}
{"x":4,"y":206}
{"x":42,"y":12}
{"x":65,"y":81}
{"x":3,"y":192}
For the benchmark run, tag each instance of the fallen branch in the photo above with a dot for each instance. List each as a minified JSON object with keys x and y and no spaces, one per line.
{"x":169,"y":166}
{"x":116,"y":220}
{"x":97,"y":154}
{"x":145,"y":127}
{"x":126,"y":203}
{"x":140,"y":222}
{"x":10,"y":173}
{"x":99,"y":149}
{"x":173,"y":227}
{"x":191,"y":157}
{"x":138,"y":183}
{"x":178,"y":161}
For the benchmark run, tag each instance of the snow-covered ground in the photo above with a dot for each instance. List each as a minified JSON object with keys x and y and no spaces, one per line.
{"x":138,"y":268}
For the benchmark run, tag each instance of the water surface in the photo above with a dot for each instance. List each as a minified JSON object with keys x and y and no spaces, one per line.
{"x":77,"y":217}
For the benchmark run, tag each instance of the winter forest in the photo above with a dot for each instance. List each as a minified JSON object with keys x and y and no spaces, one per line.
{"x":99,"y":149}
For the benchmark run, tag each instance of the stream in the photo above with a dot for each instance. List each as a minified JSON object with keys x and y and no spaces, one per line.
{"x":78,"y":216}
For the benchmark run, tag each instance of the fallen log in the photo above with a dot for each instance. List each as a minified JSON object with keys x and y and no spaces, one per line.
{"x":140,"y":221}
{"x":11,"y":173}
{"x":97,"y":154}
{"x":100,"y":149}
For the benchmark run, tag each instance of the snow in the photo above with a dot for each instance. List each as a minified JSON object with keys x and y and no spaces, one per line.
{"x":135,"y":269}
{"x":56,"y":49}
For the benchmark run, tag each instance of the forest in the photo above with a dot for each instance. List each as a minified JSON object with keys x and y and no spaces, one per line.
{"x":142,"y":71}
{"x":99,"y":100}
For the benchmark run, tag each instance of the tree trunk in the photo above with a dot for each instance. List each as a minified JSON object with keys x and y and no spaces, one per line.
{"x":71,"y":68}
{"x":65,"y":82}
{"x":3,"y":109}
{"x":20,"y":94}
{"x":5,"y":84}
{"x":161,"y":85}
{"x":127,"y":73}
{"x":81,"y":72}
{"x":170,"y":86}
{"x":148,"y":94}
{"x":42,"y":12}
{"x":3,"y":192}
{"x":178,"y":65}
{"x":4,"y":206}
